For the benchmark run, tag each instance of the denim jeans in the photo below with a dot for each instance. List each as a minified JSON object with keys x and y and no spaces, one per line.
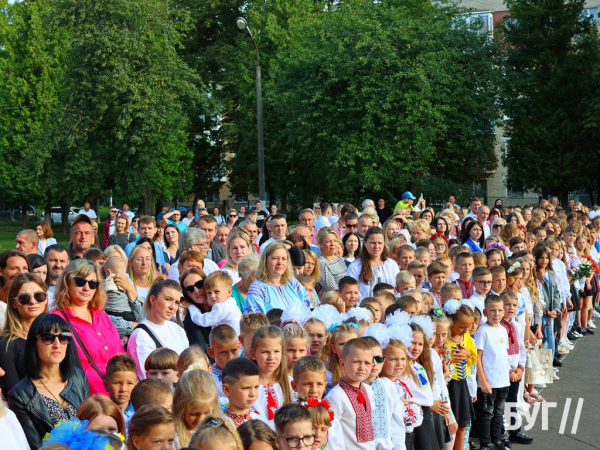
{"x":548,"y":331}
{"x":491,"y":414}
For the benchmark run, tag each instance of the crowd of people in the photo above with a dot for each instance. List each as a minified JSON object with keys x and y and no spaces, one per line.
{"x":357,"y":328}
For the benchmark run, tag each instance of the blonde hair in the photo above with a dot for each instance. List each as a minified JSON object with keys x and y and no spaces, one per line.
{"x":112,"y":249}
{"x":333,"y":361}
{"x":218,"y":278}
{"x":281,"y":373}
{"x":188,"y":357}
{"x":446,"y":353}
{"x":79,"y":268}
{"x":408,"y":372}
{"x":237,"y":233}
{"x":220,"y":432}
{"x":320,"y":416}
{"x":530,"y":282}
{"x":99,"y":404}
{"x":150,"y":276}
{"x":12,"y":327}
{"x":317,"y":271}
{"x":261,"y":272}
{"x":293,"y":330}
{"x":194,"y":388}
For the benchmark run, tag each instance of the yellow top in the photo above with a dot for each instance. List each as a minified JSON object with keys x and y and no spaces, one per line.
{"x":461,"y":368}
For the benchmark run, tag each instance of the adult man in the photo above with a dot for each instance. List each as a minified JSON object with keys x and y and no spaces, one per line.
{"x":165,"y":209}
{"x":216,"y":251}
{"x":58,"y":258}
{"x":88,"y":212}
{"x":340,"y":225}
{"x":483,"y":213}
{"x":222,"y":234}
{"x":384,"y":212}
{"x":323,"y":220}
{"x":252,"y":230}
{"x":303,"y":231}
{"x":351,"y":222}
{"x":572,"y":204}
{"x":174,"y":218}
{"x":194,"y":239}
{"x":307,"y":218}
{"x":82,"y":236}
{"x":147,"y":228}
{"x":262,"y":214}
{"x":128,"y":213}
{"x":278,"y":229}
{"x":27,"y":242}
{"x":474,"y":205}
{"x":368,"y":203}
{"x":452,"y":201}
{"x":335,"y":216}
{"x":218,"y":217}
{"x":364,"y":223}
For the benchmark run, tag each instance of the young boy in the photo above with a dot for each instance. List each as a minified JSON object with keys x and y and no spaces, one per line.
{"x":498,"y":279}
{"x":482,"y":284}
{"x":517,"y":244}
{"x":152,"y":391}
{"x":383,"y":287}
{"x":294,"y":427}
{"x":224,"y":346}
{"x":540,"y":234}
{"x":249,"y":323}
{"x":240,"y":385}
{"x":352,"y":400}
{"x":385,"y":300}
{"x":409,"y":305}
{"x":464,"y":266}
{"x":517,"y":357}
{"x":161,"y":365}
{"x":423,"y":254}
{"x":454,"y":252}
{"x":406,"y":254}
{"x":448,"y":291}
{"x":447,"y":262}
{"x":493,"y":370}
{"x":120,"y":379}
{"x":479,"y":259}
{"x":348,"y":289}
{"x":436,"y":273}
{"x":419,"y":271}
{"x":224,"y":309}
{"x":309,"y":283}
{"x":405,"y":281}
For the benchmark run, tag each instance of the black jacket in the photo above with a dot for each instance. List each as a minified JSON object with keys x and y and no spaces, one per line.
{"x":27,"y":404}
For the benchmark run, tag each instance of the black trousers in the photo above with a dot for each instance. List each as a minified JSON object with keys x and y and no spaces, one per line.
{"x":491,"y":414}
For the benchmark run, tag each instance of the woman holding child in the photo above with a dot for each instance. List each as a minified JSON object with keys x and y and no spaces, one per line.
{"x":192,"y":283}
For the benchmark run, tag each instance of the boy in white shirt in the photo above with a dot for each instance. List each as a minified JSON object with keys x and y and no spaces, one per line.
{"x":482,"y":285}
{"x":493,"y":370}
{"x":224,"y":346}
{"x":224,"y":309}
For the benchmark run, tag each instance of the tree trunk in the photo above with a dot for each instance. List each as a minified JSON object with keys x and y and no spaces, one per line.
{"x":146,"y":200}
{"x":48,"y":214}
{"x":284,"y":204}
{"x":591,"y":194}
{"x":64,"y":214}
{"x":564,"y":199}
{"x":97,"y":209}
{"x":24,"y":214}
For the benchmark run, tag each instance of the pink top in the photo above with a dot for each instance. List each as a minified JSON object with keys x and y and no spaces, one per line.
{"x":100,"y":339}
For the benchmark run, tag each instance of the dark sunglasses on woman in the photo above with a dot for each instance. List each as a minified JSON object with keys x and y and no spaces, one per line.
{"x":80,"y":282}
{"x":25,"y":299}
{"x":49,"y":338}
{"x":197,"y":285}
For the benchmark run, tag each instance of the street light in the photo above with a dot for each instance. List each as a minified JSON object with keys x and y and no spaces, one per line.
{"x":242,"y":24}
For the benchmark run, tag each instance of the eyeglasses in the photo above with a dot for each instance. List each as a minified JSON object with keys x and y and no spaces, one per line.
{"x":135,"y":220}
{"x":192,"y":287}
{"x":141,"y":260}
{"x":485,"y":283}
{"x":379,"y":359}
{"x":294,"y":442}
{"x":49,"y":338}
{"x":80,"y":282}
{"x":25,"y":299}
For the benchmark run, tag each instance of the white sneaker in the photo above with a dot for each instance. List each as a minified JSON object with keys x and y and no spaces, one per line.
{"x":595,"y":314}
{"x":555,"y":377}
{"x":591,"y":325}
{"x":566,"y":344}
{"x":540,"y":386}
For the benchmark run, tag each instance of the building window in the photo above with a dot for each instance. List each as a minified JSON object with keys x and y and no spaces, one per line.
{"x":482,"y":21}
{"x":591,"y":12}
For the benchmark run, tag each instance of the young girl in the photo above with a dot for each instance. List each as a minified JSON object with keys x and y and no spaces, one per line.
{"x":195,"y":399}
{"x":582,"y":250}
{"x":495,"y":257}
{"x":317,"y":338}
{"x":464,"y":355}
{"x":267,"y":351}
{"x":192,"y":358}
{"x":296,"y":344}
{"x":442,"y":328}
{"x":312,"y":266}
{"x":530,"y":241}
{"x":256,"y":434}
{"x":151,"y":425}
{"x":322,"y":418}
{"x":374,"y":306}
{"x":339,"y":336}
{"x":217,"y":434}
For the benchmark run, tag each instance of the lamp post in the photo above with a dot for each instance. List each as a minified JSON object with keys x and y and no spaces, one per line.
{"x":242,"y":24}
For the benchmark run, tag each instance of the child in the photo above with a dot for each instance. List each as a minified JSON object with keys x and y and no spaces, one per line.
{"x":192,"y":358}
{"x":482,"y":284}
{"x":464,"y":266}
{"x":427,"y":302}
{"x":351,"y":399}
{"x":309,"y":283}
{"x":296,"y":344}
{"x":217,"y":433}
{"x":419,"y":271}
{"x":322,"y":419}
{"x":309,"y":377}
{"x":257,"y":434}
{"x":436,"y":274}
{"x":374,"y":306}
{"x":408,"y":304}
{"x":383,"y":287}
{"x":479,"y":259}
{"x":464,"y":355}
{"x":161,"y":365}
{"x":540,"y":234}
{"x":224,"y":345}
{"x":406,"y":254}
{"x":516,"y":359}
{"x":422,"y":254}
{"x":274,"y":389}
{"x":249,"y":323}
{"x":516,"y":245}
{"x":385,"y":300}
{"x":224,"y":309}
{"x":151,"y":423}
{"x":152,"y":391}
{"x":448,"y":291}
{"x":120,"y":380}
{"x":333,"y":298}
{"x":447,"y":262}
{"x":294,"y":426}
{"x":498,"y":280}
{"x":195,"y":399}
{"x":495,"y":257}
{"x":493,"y":369}
{"x":339,"y":336}
{"x":317,"y":337}
{"x":240,"y":385}
{"x":530,"y":241}
{"x":472,"y":378}
{"x":388,"y":418}
{"x":348,"y":288}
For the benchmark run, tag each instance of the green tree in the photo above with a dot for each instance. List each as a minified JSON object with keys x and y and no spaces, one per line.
{"x":551,"y":59}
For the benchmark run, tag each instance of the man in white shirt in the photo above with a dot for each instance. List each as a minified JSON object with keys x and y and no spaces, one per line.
{"x":483,"y":212}
{"x":194,"y":239}
{"x":128,"y":213}
{"x":323,"y":220}
{"x":474,"y":206}
{"x":88,"y":211}
{"x":278,"y":229}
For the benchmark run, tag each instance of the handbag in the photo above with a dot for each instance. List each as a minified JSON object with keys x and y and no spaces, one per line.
{"x":541,"y":366}
{"x":83,"y":349}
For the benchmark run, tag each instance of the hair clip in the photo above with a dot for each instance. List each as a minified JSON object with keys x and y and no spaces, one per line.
{"x":440,"y":235}
{"x":438,"y":312}
{"x":355,"y":325}
{"x":213,"y":423}
{"x":313,"y":402}
{"x":195,"y":366}
{"x":333,"y":327}
{"x":512,"y":268}
{"x":451,"y":306}
{"x":468,"y":302}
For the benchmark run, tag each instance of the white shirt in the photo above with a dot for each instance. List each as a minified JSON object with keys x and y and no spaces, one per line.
{"x":226,"y":313}
{"x":130,"y":215}
{"x":140,"y":344}
{"x":384,"y":273}
{"x":264,"y":244}
{"x":394,"y":413}
{"x":260,"y":405}
{"x":520,"y":358}
{"x":3,"y":316}
{"x":187,"y":221}
{"x":493,"y":341}
{"x":91,"y":213}
{"x":208,"y":268}
{"x":11,"y":431}
{"x":234,"y":274}
{"x":479,"y":301}
{"x":422,"y":393}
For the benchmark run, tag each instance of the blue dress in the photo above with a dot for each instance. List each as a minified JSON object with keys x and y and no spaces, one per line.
{"x":473,"y":246}
{"x":263,"y":297}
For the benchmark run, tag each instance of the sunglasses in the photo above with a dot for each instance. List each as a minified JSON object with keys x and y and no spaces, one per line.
{"x":25,"y":299}
{"x":80,"y":282}
{"x":498,"y":226}
{"x":351,"y":225}
{"x":379,"y":359}
{"x":198,"y":285}
{"x":49,"y":338}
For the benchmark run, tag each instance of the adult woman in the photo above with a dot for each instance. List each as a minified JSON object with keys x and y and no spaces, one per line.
{"x":27,"y":299}
{"x":39,"y":266}
{"x":149,"y":244}
{"x":351,"y":243}
{"x":298,"y":240}
{"x":121,"y":236}
{"x":427,"y":216}
{"x":189,"y":217}
{"x":172,"y":252}
{"x":80,"y":300}
{"x":159,"y":237}
{"x":333,"y":268}
{"x":53,"y":387}
{"x":102,"y":415}
{"x":12,"y":264}
{"x":157,"y":329}
{"x":141,"y":269}
{"x":45,"y":234}
{"x":238,"y":246}
{"x":134,"y":226}
{"x":473,"y":237}
{"x":247,"y":268}
{"x":374,"y":266}
{"x":390,"y":229}
{"x":232,"y":218}
{"x":496,"y":226}
{"x":275,"y":285}
{"x":440,"y":225}
{"x":192,"y":282}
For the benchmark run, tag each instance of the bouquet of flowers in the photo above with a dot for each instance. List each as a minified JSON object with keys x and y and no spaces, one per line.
{"x":584,"y":270}
{"x":593,"y":263}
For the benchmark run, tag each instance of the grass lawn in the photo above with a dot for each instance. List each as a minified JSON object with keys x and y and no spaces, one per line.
{"x":8,"y":233}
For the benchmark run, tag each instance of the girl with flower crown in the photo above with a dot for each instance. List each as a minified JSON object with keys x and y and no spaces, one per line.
{"x":322,"y":417}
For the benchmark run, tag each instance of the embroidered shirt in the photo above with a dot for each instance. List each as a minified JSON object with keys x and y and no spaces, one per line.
{"x":361,"y":404}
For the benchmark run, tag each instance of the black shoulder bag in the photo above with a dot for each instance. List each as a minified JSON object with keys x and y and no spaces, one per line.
{"x":83,"y":349}
{"x":147,"y":330}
